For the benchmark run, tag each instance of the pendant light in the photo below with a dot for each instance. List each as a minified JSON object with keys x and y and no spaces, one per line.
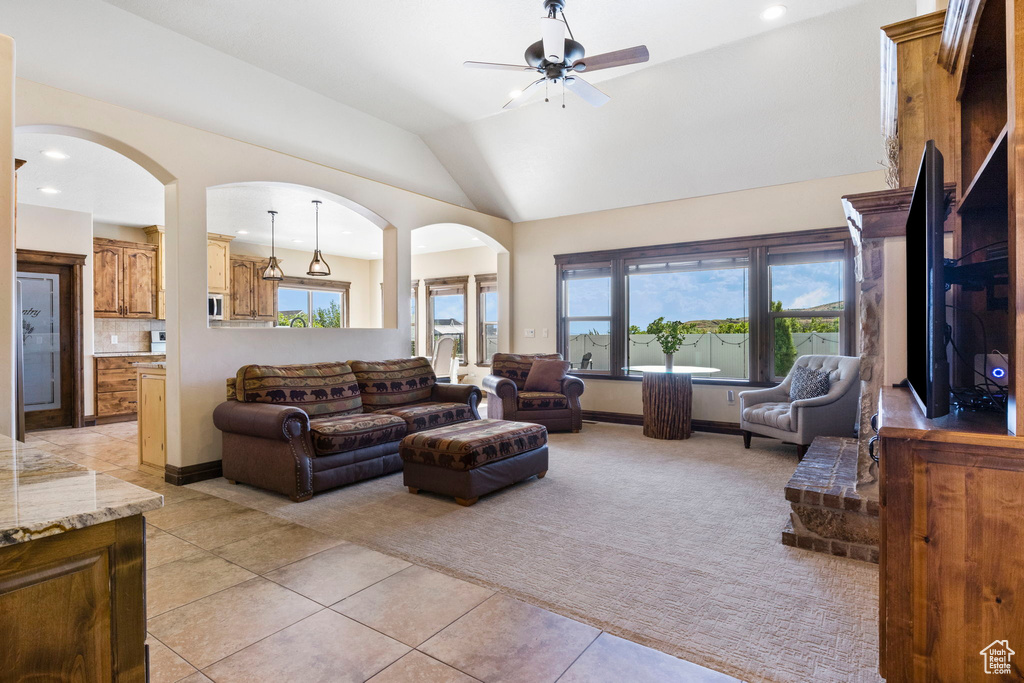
{"x":273,"y":270}
{"x":318,"y":267}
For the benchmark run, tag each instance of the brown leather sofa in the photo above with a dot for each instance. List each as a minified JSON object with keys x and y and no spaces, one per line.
{"x":558,"y":411}
{"x":300,"y":429}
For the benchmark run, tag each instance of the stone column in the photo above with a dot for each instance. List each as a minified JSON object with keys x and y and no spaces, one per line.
{"x":870,"y":267}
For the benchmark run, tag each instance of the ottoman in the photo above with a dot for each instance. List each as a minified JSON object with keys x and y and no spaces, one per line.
{"x":470,"y":459}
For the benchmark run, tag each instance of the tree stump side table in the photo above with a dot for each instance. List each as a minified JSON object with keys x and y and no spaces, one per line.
{"x":668,"y":400}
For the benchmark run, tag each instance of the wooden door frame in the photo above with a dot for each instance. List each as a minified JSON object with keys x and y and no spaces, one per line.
{"x":76,"y":262}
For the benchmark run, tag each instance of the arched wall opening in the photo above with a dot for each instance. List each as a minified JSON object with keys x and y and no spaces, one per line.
{"x":459,"y":288}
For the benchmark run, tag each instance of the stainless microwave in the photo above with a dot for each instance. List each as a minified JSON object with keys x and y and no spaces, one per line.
{"x":215,"y":306}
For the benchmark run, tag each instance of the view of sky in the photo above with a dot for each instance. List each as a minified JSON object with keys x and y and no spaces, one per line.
{"x":704,"y":295}
{"x":449,"y":306}
{"x":298,"y":299}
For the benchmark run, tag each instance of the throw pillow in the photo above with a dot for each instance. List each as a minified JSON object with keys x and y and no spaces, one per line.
{"x":808,"y":383}
{"x":546,"y":375}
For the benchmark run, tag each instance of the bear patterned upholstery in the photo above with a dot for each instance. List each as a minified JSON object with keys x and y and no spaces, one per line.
{"x":344,"y":433}
{"x":516,"y":366}
{"x":467,"y":446}
{"x":420,"y":416}
{"x":388,"y":383}
{"x":320,"y":389}
{"x":542,"y":400}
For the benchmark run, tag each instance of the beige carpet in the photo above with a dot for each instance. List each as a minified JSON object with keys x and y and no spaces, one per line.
{"x":675,"y":545}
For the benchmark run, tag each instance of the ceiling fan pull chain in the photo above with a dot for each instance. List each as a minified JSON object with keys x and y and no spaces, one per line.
{"x":563,"y":93}
{"x":546,"y":82}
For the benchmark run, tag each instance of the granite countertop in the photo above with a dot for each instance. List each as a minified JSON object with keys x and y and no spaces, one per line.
{"x":114,"y":354}
{"x":157,"y":365}
{"x":42,"y":494}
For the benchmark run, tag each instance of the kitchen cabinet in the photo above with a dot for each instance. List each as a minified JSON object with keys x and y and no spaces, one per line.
{"x":157,"y":236}
{"x":218,"y":263}
{"x":117,"y":386}
{"x":252,"y":297}
{"x":152,"y":384}
{"x":124,"y":279}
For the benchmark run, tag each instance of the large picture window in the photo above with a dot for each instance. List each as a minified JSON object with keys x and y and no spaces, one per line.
{"x":448,"y":312}
{"x":302,"y":302}
{"x":486,"y":317}
{"x":749,"y":307}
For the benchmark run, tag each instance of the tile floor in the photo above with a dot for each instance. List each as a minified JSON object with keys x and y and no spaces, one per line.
{"x":235,"y":594}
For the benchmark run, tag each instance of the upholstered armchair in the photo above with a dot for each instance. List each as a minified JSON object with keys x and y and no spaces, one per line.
{"x":770,"y":412}
{"x":507,"y":400}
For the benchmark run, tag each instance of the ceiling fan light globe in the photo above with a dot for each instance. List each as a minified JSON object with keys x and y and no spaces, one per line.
{"x":318,"y":266}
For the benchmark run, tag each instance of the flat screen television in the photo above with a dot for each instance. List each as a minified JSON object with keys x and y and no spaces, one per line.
{"x":927,"y":363}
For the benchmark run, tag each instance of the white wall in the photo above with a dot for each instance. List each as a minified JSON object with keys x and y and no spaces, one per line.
{"x":189,"y":161}
{"x":8,"y":316}
{"x":928,"y":6}
{"x":294,"y":262}
{"x":782,"y":208}
{"x":68,"y":232}
{"x":455,"y":263}
{"x":119,"y":232}
{"x":98,"y":50}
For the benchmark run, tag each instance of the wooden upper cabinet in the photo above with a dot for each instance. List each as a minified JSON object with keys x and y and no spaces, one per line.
{"x":107,"y":276}
{"x":125,"y":279}
{"x":252,"y":297}
{"x":157,"y":236}
{"x":218,"y":263}
{"x":140,"y":277}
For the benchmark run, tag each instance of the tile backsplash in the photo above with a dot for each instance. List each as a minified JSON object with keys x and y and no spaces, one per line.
{"x":132,"y":335}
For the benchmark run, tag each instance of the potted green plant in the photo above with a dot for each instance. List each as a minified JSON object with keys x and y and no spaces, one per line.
{"x":669,"y":335}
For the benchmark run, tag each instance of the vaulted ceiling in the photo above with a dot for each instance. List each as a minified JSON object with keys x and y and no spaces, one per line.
{"x":728,"y":101}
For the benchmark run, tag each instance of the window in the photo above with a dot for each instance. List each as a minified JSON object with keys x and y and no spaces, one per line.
{"x":303,"y":302}
{"x":448,"y":312}
{"x":807,"y":303}
{"x":587,"y":321}
{"x":486,"y":317}
{"x":709,"y":294}
{"x":415,"y":308}
{"x":749,"y":306}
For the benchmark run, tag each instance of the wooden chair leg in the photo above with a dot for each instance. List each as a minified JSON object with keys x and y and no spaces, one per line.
{"x":542,"y":474}
{"x":746,"y":438}
{"x":466,"y":502}
{"x":233,"y":482}
{"x":413,"y":489}
{"x":801,"y":451}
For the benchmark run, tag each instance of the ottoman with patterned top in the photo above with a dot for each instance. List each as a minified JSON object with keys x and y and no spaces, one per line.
{"x":471,"y":459}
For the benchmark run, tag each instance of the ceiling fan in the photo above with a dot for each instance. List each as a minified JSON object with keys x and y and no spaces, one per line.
{"x":559,"y":60}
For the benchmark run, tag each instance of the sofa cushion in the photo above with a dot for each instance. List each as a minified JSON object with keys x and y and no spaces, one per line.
{"x":320,"y":389}
{"x":420,"y":416}
{"x":516,"y":366}
{"x":808,"y":383}
{"x":546,"y":374}
{"x":343,"y":433}
{"x":542,"y":400}
{"x":469,"y":445}
{"x":777,"y":415}
{"x":389,"y":383}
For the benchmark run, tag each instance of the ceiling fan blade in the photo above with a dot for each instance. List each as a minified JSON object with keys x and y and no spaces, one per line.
{"x":632,"y":55}
{"x":502,"y":67}
{"x":553,"y":31}
{"x":521,"y":98}
{"x":587,"y":92}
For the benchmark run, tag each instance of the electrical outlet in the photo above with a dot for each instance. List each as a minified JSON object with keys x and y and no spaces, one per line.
{"x":544,"y":333}
{"x":113,"y":339}
{"x":530,"y":333}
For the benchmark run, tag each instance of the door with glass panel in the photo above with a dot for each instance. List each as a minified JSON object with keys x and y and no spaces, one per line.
{"x":46,"y":362}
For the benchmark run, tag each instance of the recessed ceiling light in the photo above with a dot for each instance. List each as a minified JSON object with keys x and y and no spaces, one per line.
{"x":242,"y":232}
{"x":56,"y":154}
{"x":773,"y":12}
{"x":514,"y":93}
{"x":420,"y":246}
{"x":476,"y":238}
{"x":346,"y":232}
{"x":297,"y":241}
{"x":49,"y":190}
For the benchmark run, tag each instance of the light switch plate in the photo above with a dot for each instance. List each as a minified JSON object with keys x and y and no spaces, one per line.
{"x":530,"y":333}
{"x":544,"y":333}
{"x":113,"y":339}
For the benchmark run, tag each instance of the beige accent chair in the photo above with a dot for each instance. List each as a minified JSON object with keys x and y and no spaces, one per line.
{"x":444,"y":362}
{"x":770,"y":412}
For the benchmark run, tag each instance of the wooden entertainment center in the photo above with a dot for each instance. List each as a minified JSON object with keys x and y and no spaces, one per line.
{"x":952,"y":489}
